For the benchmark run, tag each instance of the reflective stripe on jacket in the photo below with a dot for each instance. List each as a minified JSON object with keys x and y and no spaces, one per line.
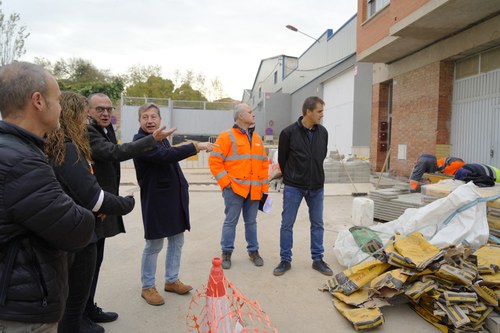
{"x":449,"y":165}
{"x":234,"y":161}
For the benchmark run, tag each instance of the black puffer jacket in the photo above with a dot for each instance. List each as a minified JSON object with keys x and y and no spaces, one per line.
{"x":38,"y":223}
{"x":300,"y":160}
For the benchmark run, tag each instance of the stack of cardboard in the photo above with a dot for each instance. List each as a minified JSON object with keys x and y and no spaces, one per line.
{"x":452,"y":288}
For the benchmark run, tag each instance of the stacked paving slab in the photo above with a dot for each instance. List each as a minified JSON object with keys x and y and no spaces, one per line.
{"x":335,"y":172}
{"x":390,"y":203}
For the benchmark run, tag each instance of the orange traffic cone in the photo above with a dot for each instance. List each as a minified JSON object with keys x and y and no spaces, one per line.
{"x":218,"y":315}
{"x":225,"y":309}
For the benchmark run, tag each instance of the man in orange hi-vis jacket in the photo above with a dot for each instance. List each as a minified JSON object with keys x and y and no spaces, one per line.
{"x":240,"y":166}
{"x":428,"y":163}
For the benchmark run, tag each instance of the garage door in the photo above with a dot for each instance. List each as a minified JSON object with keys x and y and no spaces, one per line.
{"x":475,"y":134}
{"x":338,"y":94}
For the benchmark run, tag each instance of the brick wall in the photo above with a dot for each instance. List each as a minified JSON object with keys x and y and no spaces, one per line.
{"x":371,"y":31}
{"x":380,"y":104}
{"x":445,"y":103}
{"x":421,"y":113}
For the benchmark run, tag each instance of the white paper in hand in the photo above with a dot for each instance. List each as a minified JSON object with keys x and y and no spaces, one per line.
{"x":266,"y":203}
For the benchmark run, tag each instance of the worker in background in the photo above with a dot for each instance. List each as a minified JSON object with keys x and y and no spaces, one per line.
{"x":428,"y":163}
{"x":449,"y":165}
{"x":472,"y":171}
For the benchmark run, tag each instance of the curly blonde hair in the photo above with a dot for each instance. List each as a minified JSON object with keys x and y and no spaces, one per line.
{"x":73,"y":126}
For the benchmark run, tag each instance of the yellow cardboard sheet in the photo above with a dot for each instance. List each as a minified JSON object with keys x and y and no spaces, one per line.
{"x":416,"y":250}
{"x":488,"y":258}
{"x":361,"y":318}
{"x":357,"y":276}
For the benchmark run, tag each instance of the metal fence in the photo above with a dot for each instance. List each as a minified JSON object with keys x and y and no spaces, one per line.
{"x":198,"y":161}
{"x":198,"y":105}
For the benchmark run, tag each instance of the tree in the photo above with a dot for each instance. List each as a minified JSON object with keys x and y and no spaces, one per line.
{"x":12,"y":38}
{"x":153,"y":87}
{"x":82,"y":76}
{"x":186,"y":93}
{"x":140,"y":73}
{"x":216,"y":91}
{"x":78,"y":70}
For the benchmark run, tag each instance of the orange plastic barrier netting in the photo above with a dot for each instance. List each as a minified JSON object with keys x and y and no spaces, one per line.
{"x":222,"y":308}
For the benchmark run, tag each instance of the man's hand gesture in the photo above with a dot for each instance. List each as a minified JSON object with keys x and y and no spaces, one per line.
{"x":208,"y":146}
{"x":162,"y":133}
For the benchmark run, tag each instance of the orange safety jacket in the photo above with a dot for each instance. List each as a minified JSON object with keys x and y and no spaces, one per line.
{"x":234,"y":161}
{"x":449,"y":165}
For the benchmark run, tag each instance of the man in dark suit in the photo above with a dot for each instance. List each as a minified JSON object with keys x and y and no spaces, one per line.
{"x":106,"y":156}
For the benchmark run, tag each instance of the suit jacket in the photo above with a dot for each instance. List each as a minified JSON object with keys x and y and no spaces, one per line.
{"x":106,"y":157}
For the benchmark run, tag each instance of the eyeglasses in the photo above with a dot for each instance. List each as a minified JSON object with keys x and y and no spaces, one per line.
{"x":101,"y":109}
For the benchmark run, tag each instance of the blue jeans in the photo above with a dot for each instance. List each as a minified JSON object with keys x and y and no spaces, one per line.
{"x":18,"y":327}
{"x":292,"y":197}
{"x":172,"y":260}
{"x":234,"y":205}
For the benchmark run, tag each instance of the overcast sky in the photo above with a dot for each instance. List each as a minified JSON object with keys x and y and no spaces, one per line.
{"x":219,"y":38}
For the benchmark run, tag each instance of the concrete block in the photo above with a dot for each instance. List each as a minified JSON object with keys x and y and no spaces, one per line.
{"x":493,"y":323}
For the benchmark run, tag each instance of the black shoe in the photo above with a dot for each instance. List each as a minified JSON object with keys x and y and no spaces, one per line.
{"x":88,"y":326}
{"x":322,"y":267}
{"x":98,"y":316}
{"x":256,"y":258}
{"x":226,"y":260}
{"x":282,"y":268}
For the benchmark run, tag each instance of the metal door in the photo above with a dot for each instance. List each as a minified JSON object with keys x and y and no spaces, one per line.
{"x":475,"y":127}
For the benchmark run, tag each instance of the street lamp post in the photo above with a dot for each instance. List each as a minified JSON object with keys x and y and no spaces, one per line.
{"x":291,"y":27}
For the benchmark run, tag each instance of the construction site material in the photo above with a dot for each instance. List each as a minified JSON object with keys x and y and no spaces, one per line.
{"x":458,"y":218}
{"x":390,"y":203}
{"x":436,"y":177}
{"x":362,"y":211}
{"x":383,"y":168}
{"x":355,"y":171}
{"x":443,"y":188}
{"x":443,"y":285}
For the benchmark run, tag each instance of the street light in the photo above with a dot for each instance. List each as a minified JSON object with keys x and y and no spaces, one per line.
{"x":291,"y":27}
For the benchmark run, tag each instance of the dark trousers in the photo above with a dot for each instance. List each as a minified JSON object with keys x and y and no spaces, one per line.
{"x":426,"y":163}
{"x":80,"y":275}
{"x":98,"y":262}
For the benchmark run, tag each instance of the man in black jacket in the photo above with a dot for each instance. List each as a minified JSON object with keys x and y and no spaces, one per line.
{"x":38,"y":221}
{"x":106,"y":156}
{"x":302,"y":148}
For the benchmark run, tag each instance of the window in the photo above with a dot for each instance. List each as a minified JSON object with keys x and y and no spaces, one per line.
{"x":275,"y":77}
{"x":490,"y":60}
{"x":467,"y":67}
{"x":260,"y":92}
{"x":374,"y":6}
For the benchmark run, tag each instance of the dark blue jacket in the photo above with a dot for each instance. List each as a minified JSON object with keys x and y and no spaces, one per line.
{"x":164,"y":189}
